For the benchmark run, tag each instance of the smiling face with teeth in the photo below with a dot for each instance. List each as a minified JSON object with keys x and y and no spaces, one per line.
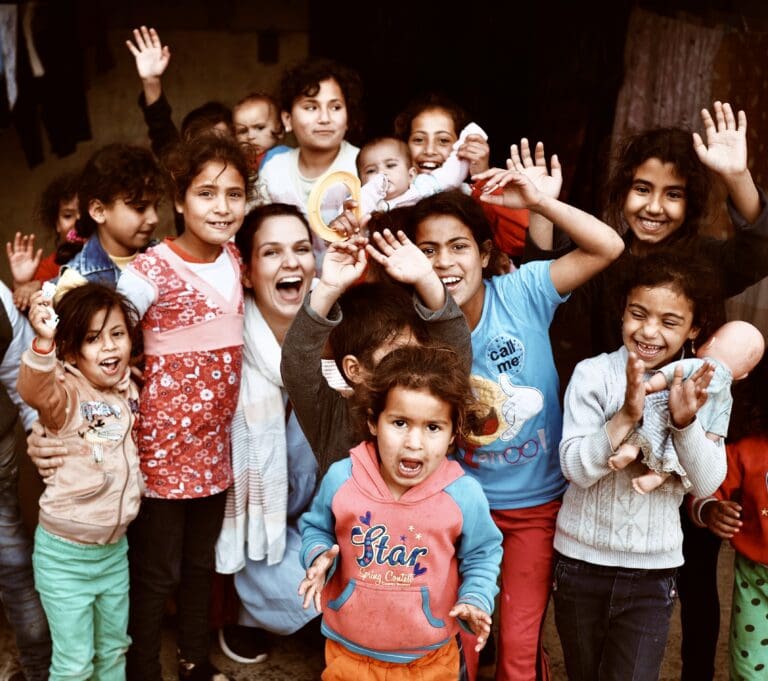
{"x":413,"y":434}
{"x":106,"y":349}
{"x":457,"y":259}
{"x":657,"y":322}
{"x":213,"y":210}
{"x":431,"y":139}
{"x":280,"y":269}
{"x":655,"y":205}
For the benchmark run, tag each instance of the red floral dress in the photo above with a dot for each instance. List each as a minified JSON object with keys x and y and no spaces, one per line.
{"x":193,"y":349}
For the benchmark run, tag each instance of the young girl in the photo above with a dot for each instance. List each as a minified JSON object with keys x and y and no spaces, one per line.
{"x":430,"y":126}
{"x":80,"y":557}
{"x":57,"y":213}
{"x":320,"y":102}
{"x":658,"y":196}
{"x":119,"y":192}
{"x":275,"y":471}
{"x":187,"y":291}
{"x":513,"y":371}
{"x":617,"y":550}
{"x":406,"y":536}
{"x":737,"y":513}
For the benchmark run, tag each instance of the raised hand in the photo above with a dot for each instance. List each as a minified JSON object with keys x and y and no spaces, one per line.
{"x":535,"y":168}
{"x":344,"y":263}
{"x":399,"y":256}
{"x":477,"y":620}
{"x":509,"y":188}
{"x":311,"y":587}
{"x":151,"y":55}
{"x":476,"y":151}
{"x":687,"y":397}
{"x":40,"y":311}
{"x":722,"y":517}
{"x":725,"y":151}
{"x":22,"y":257}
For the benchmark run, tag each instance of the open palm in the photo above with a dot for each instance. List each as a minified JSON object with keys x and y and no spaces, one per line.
{"x":725,"y":151}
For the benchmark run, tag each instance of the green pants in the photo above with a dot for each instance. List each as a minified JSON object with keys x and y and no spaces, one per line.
{"x":749,"y":621}
{"x":84,"y":592}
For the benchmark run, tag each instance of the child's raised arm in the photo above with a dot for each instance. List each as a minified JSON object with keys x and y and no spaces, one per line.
{"x":343,"y":264}
{"x":598,"y":244}
{"x":152,"y":59}
{"x":405,"y":262}
{"x":726,"y":154}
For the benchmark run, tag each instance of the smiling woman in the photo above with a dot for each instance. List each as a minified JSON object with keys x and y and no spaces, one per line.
{"x":274,"y":467}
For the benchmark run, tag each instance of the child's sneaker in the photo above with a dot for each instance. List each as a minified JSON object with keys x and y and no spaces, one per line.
{"x":201,"y":671}
{"x":246,"y":645}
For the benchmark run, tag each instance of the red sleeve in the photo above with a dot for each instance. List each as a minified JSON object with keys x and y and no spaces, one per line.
{"x":47,"y":269}
{"x":508,"y":225}
{"x":734,"y":476}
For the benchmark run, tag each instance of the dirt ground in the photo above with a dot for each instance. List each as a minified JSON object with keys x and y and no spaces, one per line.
{"x":294,"y":659}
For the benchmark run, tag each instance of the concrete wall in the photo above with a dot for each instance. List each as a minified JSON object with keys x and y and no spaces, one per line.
{"x":205,"y":64}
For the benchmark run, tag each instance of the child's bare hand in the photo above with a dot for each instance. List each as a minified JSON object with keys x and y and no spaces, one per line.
{"x":726,"y":149}
{"x":687,"y":397}
{"x":311,"y":586}
{"x":509,"y":188}
{"x":348,"y":224}
{"x":477,"y":620}
{"x":22,"y":258}
{"x":22,"y":294}
{"x":40,"y":311}
{"x":477,"y":152}
{"x":634,"y":397}
{"x":722,"y":517}
{"x":151,"y":55}
{"x":399,"y":256}
{"x":535,"y":168}
{"x":344,"y":263}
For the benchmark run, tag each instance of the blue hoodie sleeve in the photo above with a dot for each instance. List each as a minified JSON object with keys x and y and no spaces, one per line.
{"x":479,"y":549}
{"x":317,"y":525}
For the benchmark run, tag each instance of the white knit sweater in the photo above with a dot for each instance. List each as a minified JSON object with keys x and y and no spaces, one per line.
{"x":603,"y":520}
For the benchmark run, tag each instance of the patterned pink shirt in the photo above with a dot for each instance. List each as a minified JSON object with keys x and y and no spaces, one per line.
{"x":193,"y":339}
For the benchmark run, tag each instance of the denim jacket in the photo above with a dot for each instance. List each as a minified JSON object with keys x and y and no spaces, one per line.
{"x":94,"y":264}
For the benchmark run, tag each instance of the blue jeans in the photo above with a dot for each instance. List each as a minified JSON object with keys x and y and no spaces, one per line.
{"x":612,"y":622}
{"x":22,"y":605}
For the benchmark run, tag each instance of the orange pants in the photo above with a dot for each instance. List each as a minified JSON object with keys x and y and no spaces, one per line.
{"x":344,"y":665}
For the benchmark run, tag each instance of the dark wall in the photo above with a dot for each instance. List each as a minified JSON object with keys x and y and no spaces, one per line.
{"x":545,"y":70}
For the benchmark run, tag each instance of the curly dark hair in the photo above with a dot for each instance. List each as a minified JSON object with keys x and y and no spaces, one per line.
{"x":669,"y":145}
{"x":679,"y":271}
{"x":428,"y":102}
{"x":76,"y":309}
{"x":204,"y":119}
{"x":431,"y":368}
{"x":117,"y":171}
{"x":187,"y":159}
{"x":303,"y":80}
{"x":61,"y":189}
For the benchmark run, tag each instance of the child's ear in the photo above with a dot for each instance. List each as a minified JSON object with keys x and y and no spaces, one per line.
{"x":179,"y":206}
{"x":96,"y":211}
{"x":286,"y":118}
{"x":412,"y":173}
{"x":245,"y":278}
{"x":693,"y":334}
{"x":372,"y":424}
{"x":353,"y":370}
{"x":485,"y":252}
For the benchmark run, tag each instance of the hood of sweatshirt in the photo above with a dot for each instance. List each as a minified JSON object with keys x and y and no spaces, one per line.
{"x":366,"y":472}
